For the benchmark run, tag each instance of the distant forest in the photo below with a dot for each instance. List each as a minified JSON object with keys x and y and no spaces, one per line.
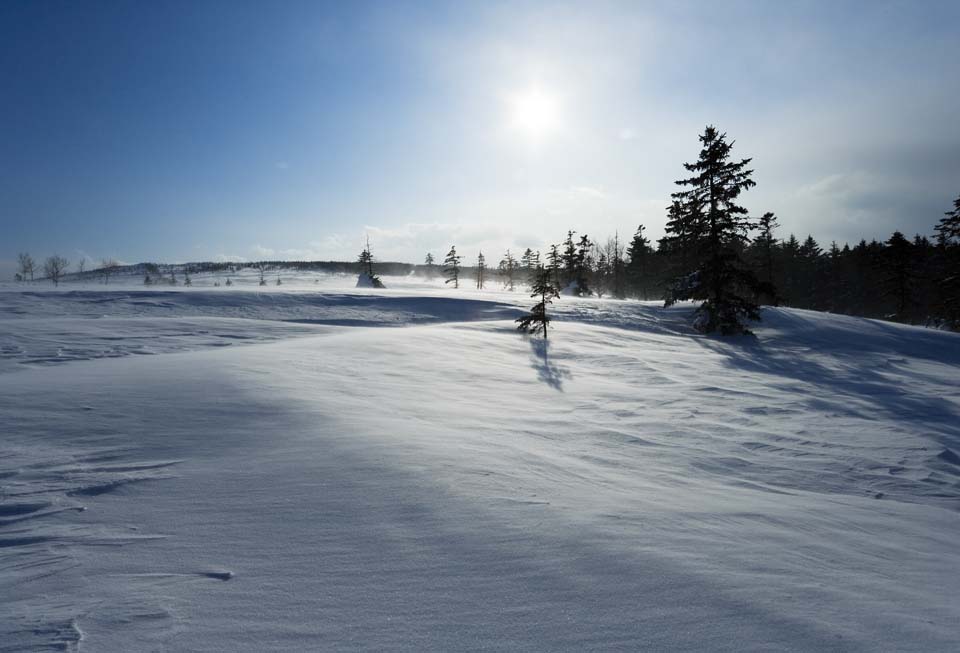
{"x":713,"y":252}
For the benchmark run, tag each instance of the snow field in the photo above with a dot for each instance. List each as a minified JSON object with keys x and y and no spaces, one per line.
{"x":456,"y":486}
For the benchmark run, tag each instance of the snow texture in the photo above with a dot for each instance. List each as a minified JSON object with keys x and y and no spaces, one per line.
{"x":225,"y":469}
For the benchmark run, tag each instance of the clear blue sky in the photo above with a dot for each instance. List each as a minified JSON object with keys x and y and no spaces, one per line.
{"x":200,"y":130}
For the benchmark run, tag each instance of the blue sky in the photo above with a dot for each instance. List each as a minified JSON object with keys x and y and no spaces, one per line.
{"x":229,"y":130}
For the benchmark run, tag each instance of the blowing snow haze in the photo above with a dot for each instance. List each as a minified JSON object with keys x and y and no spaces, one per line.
{"x":561,"y":327}
{"x":183,"y":131}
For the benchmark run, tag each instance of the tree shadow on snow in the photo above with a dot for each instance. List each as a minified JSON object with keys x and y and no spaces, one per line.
{"x":548,"y":372}
{"x":856,"y":381}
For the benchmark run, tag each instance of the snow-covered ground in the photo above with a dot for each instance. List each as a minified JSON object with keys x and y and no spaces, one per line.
{"x":284,"y":474}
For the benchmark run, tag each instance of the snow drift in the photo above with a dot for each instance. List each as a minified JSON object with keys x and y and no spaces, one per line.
{"x":322,"y":484}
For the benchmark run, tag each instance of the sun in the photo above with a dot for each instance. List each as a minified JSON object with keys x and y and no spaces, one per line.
{"x":534,"y":113}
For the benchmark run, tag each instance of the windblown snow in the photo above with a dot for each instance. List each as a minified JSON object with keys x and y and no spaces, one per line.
{"x":237,"y":469}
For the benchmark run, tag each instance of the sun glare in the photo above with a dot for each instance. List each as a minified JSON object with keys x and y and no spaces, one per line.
{"x":535,"y":114}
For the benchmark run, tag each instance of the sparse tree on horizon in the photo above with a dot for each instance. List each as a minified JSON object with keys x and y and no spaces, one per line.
{"x":366,"y":265}
{"x":54,"y":267}
{"x":481,"y":270}
{"x":107,"y":267}
{"x":451,"y":267}
{"x":508,"y":269}
{"x":26,"y":265}
{"x":431,"y":266}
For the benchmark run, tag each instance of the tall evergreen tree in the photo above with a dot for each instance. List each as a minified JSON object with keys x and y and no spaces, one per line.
{"x":637,"y":267}
{"x":898,"y":259}
{"x":554,"y":260}
{"x":618,"y":269}
{"x":948,"y":256}
{"x":537,"y":320}
{"x":568,"y":260}
{"x":765,"y":245}
{"x":582,"y":265}
{"x":529,"y":263}
{"x":451,"y":267}
{"x":721,"y":281}
{"x":431,"y":266}
{"x":481,"y":270}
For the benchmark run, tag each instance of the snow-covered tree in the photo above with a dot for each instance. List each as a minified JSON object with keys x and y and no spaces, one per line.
{"x":721,"y":281}
{"x":451,"y":267}
{"x":431,"y":266}
{"x":54,"y":267}
{"x":187,"y":281}
{"x":262,"y":269}
{"x":537,"y":321}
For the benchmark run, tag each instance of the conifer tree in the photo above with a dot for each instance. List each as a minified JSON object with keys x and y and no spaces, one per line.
{"x":451,"y":267}
{"x":569,"y":259}
{"x":721,"y":281}
{"x":366,"y":265}
{"x":508,"y":271}
{"x":618,"y":268}
{"x":553,"y":264}
{"x":431,"y":266}
{"x":582,"y":264}
{"x":639,"y":252}
{"x":537,"y":320}
{"x":186,"y":278}
{"x":529,"y":263}
{"x":764,"y":244}
{"x":898,"y":258}
{"x":948,"y":253}
{"x":481,"y":270}
{"x":262,"y":269}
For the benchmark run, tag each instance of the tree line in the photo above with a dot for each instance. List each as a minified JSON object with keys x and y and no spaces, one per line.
{"x":715,"y":253}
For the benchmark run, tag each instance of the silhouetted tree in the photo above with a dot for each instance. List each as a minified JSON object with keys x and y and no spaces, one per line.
{"x":451,"y":267}
{"x":764,"y":246}
{"x":898,"y":264}
{"x":553,"y":264}
{"x":537,"y":320}
{"x":721,"y":281}
{"x":54,"y":267}
{"x":366,"y":265}
{"x":529,"y":263}
{"x":27,"y":265}
{"x":639,"y":253}
{"x":507,"y":270}
{"x":481,"y":270}
{"x":431,"y":266}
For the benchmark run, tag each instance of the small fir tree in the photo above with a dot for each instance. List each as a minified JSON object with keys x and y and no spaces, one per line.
{"x":451,"y":267}
{"x":366,"y":265}
{"x":537,"y":321}
{"x":481,"y":270}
